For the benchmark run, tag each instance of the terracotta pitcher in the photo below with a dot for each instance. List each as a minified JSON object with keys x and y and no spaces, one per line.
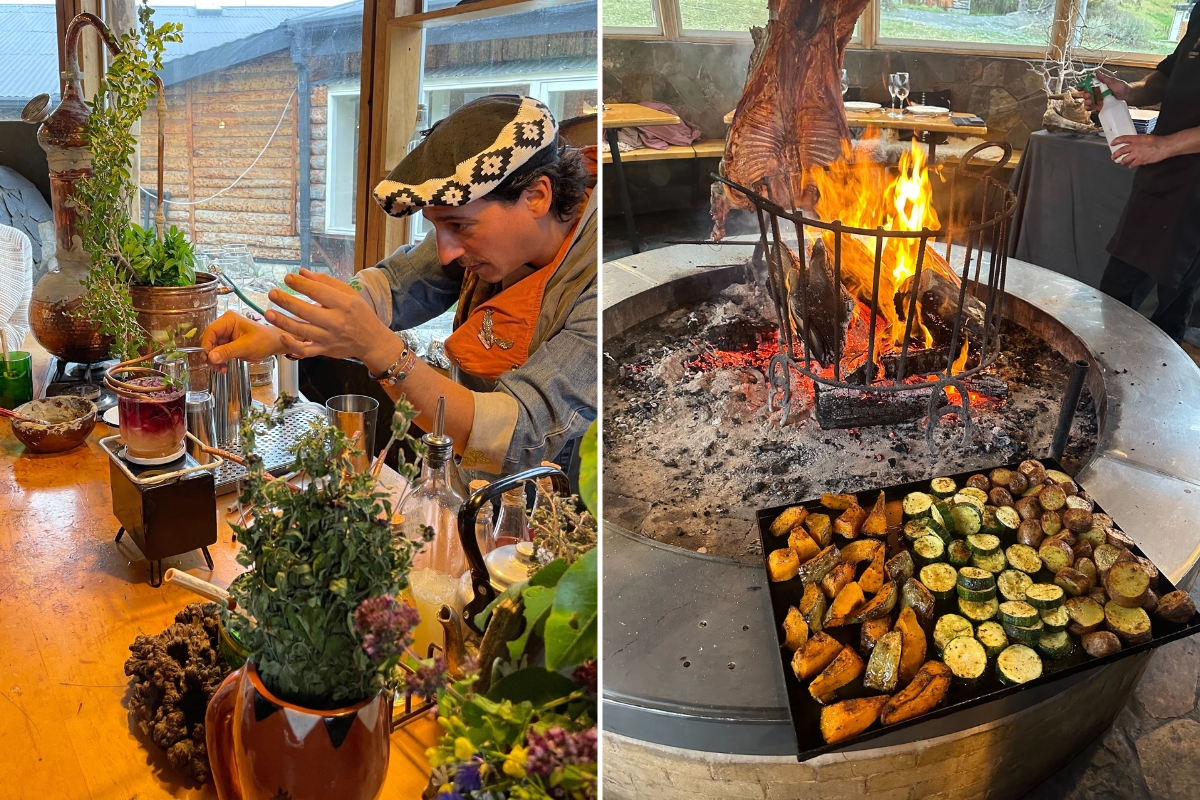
{"x":261,"y":747}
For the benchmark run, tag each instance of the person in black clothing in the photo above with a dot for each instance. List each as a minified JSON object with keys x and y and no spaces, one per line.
{"x":1158,"y":238}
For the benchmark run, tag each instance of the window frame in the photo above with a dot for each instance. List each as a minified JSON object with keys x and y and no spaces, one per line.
{"x":334,"y":93}
{"x":671,"y":28}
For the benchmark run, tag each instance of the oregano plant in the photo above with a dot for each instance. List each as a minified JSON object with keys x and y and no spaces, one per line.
{"x":320,"y":600}
{"x":106,"y":197}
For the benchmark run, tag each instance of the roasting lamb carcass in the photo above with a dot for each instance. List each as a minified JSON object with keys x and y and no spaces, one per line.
{"x":790,"y":116}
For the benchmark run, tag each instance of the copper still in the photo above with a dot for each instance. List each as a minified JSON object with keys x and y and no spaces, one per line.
{"x":54,"y":307}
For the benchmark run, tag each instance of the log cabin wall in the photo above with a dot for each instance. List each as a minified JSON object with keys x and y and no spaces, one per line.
{"x":703,"y":81}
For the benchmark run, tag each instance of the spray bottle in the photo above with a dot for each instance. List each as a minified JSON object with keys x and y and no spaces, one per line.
{"x":1114,"y":114}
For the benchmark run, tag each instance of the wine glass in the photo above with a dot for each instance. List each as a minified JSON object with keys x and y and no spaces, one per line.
{"x":845,"y":85}
{"x":901,"y":89}
{"x":892,"y":89}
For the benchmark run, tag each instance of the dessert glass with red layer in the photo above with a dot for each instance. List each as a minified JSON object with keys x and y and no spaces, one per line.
{"x":153,"y":424}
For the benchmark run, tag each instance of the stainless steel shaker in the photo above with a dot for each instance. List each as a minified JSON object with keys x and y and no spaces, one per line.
{"x":231,"y":400}
{"x":201,"y":423}
{"x":289,"y":377}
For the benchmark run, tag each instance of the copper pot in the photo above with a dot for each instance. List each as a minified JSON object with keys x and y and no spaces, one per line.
{"x":261,"y":747}
{"x":163,"y":310}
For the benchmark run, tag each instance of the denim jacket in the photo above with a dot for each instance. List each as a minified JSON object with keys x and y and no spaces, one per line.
{"x":530,"y":414}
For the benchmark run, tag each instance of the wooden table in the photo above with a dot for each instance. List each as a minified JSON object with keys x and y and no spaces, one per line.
{"x":71,"y":603}
{"x":879,"y":118}
{"x":629,"y":115}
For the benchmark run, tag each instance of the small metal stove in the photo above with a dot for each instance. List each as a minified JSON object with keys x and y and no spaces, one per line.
{"x":85,"y":380}
{"x":167,"y":510}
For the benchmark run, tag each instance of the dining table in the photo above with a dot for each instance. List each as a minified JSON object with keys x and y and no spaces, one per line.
{"x":72,"y":601}
{"x":613,"y":117}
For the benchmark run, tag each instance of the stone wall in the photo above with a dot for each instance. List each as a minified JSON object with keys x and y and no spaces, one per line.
{"x":703,"y":81}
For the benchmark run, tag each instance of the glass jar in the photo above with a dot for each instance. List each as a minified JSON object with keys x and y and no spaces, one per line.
{"x":152,"y":424}
{"x":512,"y":525}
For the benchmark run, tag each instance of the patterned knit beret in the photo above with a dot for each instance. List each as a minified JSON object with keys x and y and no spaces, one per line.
{"x":470,"y":153}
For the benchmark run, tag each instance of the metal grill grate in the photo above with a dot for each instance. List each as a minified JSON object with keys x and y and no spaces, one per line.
{"x":272,"y":445}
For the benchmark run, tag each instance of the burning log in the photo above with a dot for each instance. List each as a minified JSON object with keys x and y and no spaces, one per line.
{"x":987,"y":385}
{"x":790,"y":116}
{"x":937,"y":306}
{"x":828,"y":318}
{"x":851,"y":408}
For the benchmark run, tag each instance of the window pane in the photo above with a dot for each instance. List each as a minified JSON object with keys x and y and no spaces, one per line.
{"x":549,"y":54}
{"x":28,"y":57}
{"x":262,"y":112}
{"x":1134,"y":26}
{"x":722,"y":15}
{"x":1020,"y":22}
{"x":629,"y":14}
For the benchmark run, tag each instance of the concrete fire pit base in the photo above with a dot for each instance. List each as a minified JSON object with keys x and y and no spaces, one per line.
{"x":694,"y":703}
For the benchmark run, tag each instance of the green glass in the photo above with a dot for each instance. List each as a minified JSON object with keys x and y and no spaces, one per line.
{"x":16,"y":379}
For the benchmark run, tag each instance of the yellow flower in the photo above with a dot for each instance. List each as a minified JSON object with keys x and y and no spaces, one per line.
{"x":445,"y":788}
{"x":514,"y":765}
{"x":463,"y":749}
{"x":433,"y":757}
{"x":519,"y":754}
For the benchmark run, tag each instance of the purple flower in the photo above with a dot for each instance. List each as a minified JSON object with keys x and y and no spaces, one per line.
{"x":386,"y":626}
{"x":428,"y":678}
{"x":467,"y":778}
{"x":449,"y":796}
{"x":559,"y":748}
{"x":586,"y":674}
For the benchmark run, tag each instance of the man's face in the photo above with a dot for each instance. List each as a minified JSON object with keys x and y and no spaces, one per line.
{"x":489,"y":238}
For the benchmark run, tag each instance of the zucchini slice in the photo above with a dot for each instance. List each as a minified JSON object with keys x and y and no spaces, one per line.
{"x":1055,"y":645}
{"x":1024,"y":558}
{"x":978,"y":612}
{"x":1019,"y":613}
{"x":1012,"y":584}
{"x":941,"y":512}
{"x":949,"y":627}
{"x":967,"y":519}
{"x":1008,"y":519}
{"x":1044,"y":596}
{"x":939,"y":579}
{"x":991,"y":635}
{"x":917,"y":504}
{"x":943,"y":487}
{"x":1018,"y":664}
{"x":966,"y":658}
{"x":957,"y":553}
{"x":1025,"y":634}
{"x":976,"y":595}
{"x":990,"y":525}
{"x":1056,"y":620}
{"x":972,"y":495}
{"x":976,"y":579}
{"x":995,"y":563}
{"x":983,"y":544}
{"x":924,"y":526}
{"x":928,"y":549}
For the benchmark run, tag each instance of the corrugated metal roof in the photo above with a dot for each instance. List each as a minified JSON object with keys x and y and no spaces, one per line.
{"x":29,"y":46}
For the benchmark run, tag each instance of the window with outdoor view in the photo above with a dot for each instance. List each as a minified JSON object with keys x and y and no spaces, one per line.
{"x":722,"y":15}
{"x":629,"y":14}
{"x":1002,"y":22}
{"x":1133,"y":26}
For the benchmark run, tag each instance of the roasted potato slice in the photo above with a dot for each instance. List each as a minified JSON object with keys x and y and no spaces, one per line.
{"x":1056,"y":554}
{"x":816,"y":654}
{"x":782,"y":564}
{"x":1131,"y":625}
{"x":816,"y":568}
{"x":914,"y":643}
{"x":1072,"y":581}
{"x":1127,"y":584}
{"x":1078,"y":520}
{"x":900,"y":567}
{"x":848,"y":718}
{"x":1030,"y":533}
{"x":1086,"y":615}
{"x":789,"y":519}
{"x":1100,"y":643}
{"x":845,"y":667}
{"x":795,"y":629}
{"x":879,"y":606}
{"x":1051,"y":523}
{"x":914,"y":595}
{"x":921,"y":696}
{"x":1176,"y":607}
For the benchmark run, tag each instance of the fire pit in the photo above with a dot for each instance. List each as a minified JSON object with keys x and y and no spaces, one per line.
{"x":692,"y":687}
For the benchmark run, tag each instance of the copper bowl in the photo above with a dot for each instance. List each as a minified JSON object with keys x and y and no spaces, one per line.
{"x":70,"y":420}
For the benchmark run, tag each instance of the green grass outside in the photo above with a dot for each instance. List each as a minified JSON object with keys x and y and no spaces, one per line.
{"x":628,"y":14}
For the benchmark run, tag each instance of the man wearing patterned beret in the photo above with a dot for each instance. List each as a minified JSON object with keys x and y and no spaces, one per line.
{"x":514,"y":244}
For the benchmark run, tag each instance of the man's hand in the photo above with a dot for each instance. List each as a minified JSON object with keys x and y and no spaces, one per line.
{"x":339,"y":324}
{"x":1119,"y":88}
{"x":1133,"y":151}
{"x":234,"y":336}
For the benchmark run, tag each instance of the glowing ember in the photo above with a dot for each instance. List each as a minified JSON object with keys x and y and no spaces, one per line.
{"x":756,"y":357}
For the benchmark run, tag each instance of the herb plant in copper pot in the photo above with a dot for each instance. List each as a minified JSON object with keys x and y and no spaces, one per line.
{"x":309,"y":714}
